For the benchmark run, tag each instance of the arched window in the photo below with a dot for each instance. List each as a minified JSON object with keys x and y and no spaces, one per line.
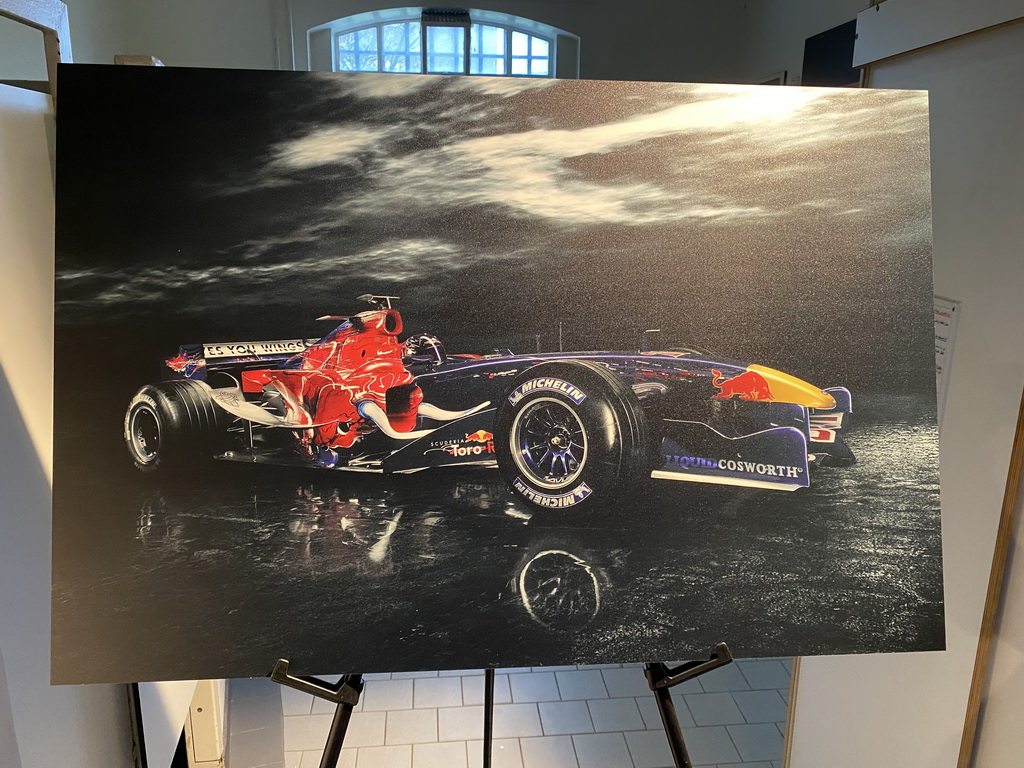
{"x":445,"y":41}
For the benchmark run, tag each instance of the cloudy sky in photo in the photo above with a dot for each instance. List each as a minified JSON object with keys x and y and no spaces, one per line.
{"x":777,"y":221}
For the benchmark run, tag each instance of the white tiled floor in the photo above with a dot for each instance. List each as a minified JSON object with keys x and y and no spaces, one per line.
{"x":556,"y":717}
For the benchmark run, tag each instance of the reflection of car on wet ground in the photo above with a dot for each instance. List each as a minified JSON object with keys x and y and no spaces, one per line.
{"x":566,"y":429}
{"x":556,"y":576}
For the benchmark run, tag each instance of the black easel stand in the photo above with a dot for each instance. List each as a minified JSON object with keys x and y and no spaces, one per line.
{"x":344,"y":693}
{"x":488,"y":714}
{"x":660,"y":678}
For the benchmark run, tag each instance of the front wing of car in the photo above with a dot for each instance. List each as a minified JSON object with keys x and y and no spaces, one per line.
{"x":777,"y":457}
{"x":773,"y":458}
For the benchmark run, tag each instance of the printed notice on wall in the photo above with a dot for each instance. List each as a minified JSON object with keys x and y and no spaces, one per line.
{"x":947,"y":312}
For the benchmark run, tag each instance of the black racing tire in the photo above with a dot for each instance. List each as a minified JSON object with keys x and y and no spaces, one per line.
{"x":172,"y":424}
{"x":570,"y":434}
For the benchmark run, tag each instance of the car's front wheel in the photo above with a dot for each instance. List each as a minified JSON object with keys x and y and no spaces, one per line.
{"x":570,"y":434}
{"x":171,"y":424}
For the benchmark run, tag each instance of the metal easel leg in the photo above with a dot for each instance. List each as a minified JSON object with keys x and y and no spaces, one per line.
{"x":344,"y":693}
{"x":661,"y":679}
{"x":488,"y":714}
{"x":674,"y":734}
{"x":336,"y":737}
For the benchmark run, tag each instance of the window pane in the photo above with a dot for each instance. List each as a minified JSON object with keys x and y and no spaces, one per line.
{"x":487,"y":65}
{"x":445,"y":39}
{"x":396,"y":46}
{"x":367,"y":39}
{"x":401,"y":38}
{"x":446,"y":49}
{"x":401,"y":47}
{"x":520,"y":44}
{"x":444,"y":63}
{"x":487,"y":40}
{"x":393,"y":38}
{"x":495,"y":36}
{"x":396,"y":62}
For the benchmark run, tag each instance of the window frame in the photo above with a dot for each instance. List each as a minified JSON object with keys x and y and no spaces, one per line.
{"x":508,"y":23}
{"x":336,"y":42}
{"x":509,"y":29}
{"x":482,"y":56}
{"x":408,"y":54}
{"x":467,"y":33}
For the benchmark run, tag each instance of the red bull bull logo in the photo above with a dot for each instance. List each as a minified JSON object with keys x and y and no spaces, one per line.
{"x":185,"y":364}
{"x":749,"y":385}
{"x":480,"y":436}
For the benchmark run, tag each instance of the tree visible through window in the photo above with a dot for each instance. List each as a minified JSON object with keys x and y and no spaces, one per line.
{"x":444,"y":41}
{"x":401,"y":47}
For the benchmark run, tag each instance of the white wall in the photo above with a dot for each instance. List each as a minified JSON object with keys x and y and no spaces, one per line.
{"x":40,"y":726}
{"x":21,"y":52}
{"x":69,"y":727}
{"x":683,"y":40}
{"x":239,"y":34}
{"x":643,"y":41}
{"x":97,"y":29}
{"x":97,"y":33}
{"x":997,"y":183}
{"x":9,"y":754}
{"x":908,"y":710}
{"x":772,"y":33}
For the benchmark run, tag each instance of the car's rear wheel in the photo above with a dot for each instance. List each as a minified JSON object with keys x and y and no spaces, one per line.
{"x":171,"y":424}
{"x":570,"y":434}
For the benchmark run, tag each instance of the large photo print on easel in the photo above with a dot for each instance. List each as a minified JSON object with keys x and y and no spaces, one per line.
{"x":382,"y":373}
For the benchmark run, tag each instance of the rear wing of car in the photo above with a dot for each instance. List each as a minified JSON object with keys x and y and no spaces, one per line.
{"x":198,"y":361}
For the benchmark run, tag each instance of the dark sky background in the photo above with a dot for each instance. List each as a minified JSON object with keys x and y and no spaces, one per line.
{"x":784,"y":226}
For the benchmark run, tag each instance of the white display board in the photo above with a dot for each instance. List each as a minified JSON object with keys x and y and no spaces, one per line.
{"x":70,"y":726}
{"x":908,"y":709}
{"x":164,"y":708}
{"x":80,"y":726}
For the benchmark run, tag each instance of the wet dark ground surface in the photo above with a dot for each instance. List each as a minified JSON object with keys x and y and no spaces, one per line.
{"x":219,"y":574}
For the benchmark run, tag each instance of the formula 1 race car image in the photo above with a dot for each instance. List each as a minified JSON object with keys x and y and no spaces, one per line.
{"x":566,"y":429}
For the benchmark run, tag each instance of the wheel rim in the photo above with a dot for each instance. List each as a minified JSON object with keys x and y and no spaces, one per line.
{"x":549,"y":443}
{"x":144,"y":431}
